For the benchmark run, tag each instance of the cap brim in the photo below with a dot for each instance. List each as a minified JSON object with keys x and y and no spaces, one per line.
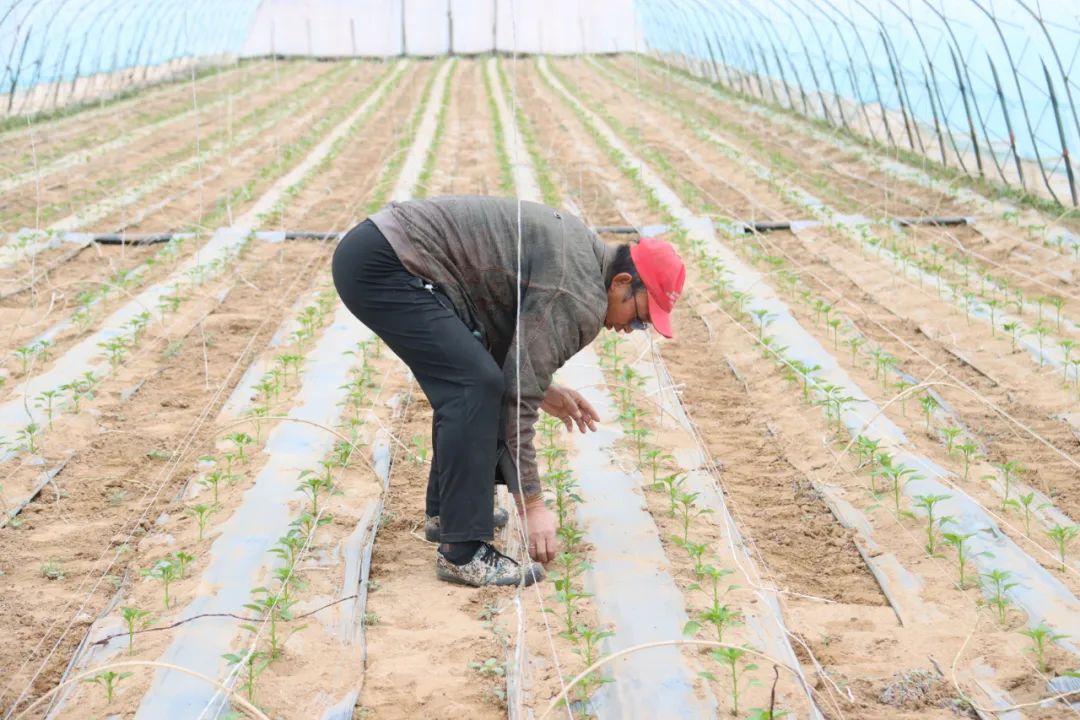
{"x":660,"y":319}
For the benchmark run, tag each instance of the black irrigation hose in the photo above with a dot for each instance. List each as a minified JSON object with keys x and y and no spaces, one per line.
{"x":154,"y":238}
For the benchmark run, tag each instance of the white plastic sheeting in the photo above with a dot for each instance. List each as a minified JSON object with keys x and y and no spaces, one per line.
{"x":343,"y":28}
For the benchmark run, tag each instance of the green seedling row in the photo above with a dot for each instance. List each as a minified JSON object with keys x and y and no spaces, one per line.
{"x":264,"y":115}
{"x":421,"y":189}
{"x":996,"y":583}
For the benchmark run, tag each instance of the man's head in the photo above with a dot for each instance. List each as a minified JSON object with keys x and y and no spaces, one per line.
{"x":643,"y":283}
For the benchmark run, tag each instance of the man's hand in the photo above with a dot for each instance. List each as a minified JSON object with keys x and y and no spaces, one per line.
{"x":570,"y":407}
{"x":540,"y":522}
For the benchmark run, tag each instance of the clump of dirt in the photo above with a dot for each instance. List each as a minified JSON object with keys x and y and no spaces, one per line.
{"x":915,"y":690}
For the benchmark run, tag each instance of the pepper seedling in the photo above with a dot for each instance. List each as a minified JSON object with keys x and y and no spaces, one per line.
{"x":655,"y":458}
{"x":201,"y":512}
{"x":240,"y":440}
{"x":164,"y":570}
{"x":109,"y":679}
{"x":1010,"y":470}
{"x":1062,"y":536}
{"x":1024,"y":503}
{"x":132,"y":617}
{"x":673,"y":484}
{"x":929,"y":503}
{"x":182,"y":559}
{"x":968,"y":450}
{"x":314,"y":485}
{"x":730,"y":657}
{"x":1015,"y":331}
{"x":47,"y":399}
{"x":1039,"y":636}
{"x":420,"y":450}
{"x":254,"y":663}
{"x":929,"y":404}
{"x":25,"y":355}
{"x":689,"y":510}
{"x":588,"y":641}
{"x":213,"y":480}
{"x":998,"y":585}
{"x":963,"y":554}
{"x":950,"y":434}
{"x":27,"y":437}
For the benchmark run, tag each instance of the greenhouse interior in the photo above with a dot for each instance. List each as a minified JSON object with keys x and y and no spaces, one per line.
{"x":275,"y":274}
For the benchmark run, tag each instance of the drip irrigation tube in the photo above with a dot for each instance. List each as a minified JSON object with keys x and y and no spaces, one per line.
{"x":761,"y":226}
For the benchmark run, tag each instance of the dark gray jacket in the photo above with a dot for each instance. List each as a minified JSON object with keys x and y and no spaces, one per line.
{"x":467,"y":246}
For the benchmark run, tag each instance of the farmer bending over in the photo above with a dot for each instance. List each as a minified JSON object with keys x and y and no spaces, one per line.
{"x":437,"y":280}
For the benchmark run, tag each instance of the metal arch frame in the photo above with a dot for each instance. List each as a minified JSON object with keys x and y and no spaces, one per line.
{"x":705,"y":14}
{"x":1020,"y":94}
{"x":930,"y":82}
{"x":851,"y":62}
{"x":791,"y":63}
{"x":745,"y":86}
{"x":828,"y":65}
{"x":1008,"y":121}
{"x":696,"y":32}
{"x":160,"y":34}
{"x":896,"y":68}
{"x":14,"y":73}
{"x":18,"y":22}
{"x":761,"y":89}
{"x":767,"y":26}
{"x":687,"y":29}
{"x":894,"y":60}
{"x":68,"y":40}
{"x":40,"y":62}
{"x":962,"y":63}
{"x":1061,"y":133}
{"x":1057,"y":60}
{"x":873,"y":74}
{"x":813,"y":72}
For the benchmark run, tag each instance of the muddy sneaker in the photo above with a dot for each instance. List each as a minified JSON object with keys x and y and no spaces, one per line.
{"x":487,"y":567}
{"x":432,"y":530}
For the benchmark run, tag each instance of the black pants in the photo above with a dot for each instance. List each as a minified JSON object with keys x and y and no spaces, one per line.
{"x":460,"y":378}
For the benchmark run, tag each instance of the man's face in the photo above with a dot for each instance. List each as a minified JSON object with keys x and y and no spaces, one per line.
{"x":624,"y":307}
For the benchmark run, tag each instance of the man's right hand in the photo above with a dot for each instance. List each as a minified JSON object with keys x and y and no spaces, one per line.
{"x":540,"y":522}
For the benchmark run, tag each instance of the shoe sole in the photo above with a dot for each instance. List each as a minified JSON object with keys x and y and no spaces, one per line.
{"x":537,"y":575}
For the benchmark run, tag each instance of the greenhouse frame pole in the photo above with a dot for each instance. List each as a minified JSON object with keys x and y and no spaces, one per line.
{"x":937,"y":124}
{"x":18,"y":70}
{"x":768,"y":26}
{"x":40,"y":62}
{"x":873,"y":76}
{"x":926,"y":53}
{"x":1061,"y":134}
{"x":760,"y":75}
{"x":962,"y":62}
{"x":745,"y":86}
{"x":813,"y":71}
{"x":1060,"y":65}
{"x":1008,"y":121}
{"x":851,"y":67}
{"x":896,"y":83}
{"x":705,"y":38}
{"x":828,"y":66}
{"x":967,"y":111}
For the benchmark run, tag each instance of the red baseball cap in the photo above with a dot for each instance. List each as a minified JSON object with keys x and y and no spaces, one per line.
{"x":663,"y":272}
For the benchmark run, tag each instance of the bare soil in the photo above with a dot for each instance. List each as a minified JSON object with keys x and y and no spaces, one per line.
{"x":119,"y":496}
{"x":52,"y":139}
